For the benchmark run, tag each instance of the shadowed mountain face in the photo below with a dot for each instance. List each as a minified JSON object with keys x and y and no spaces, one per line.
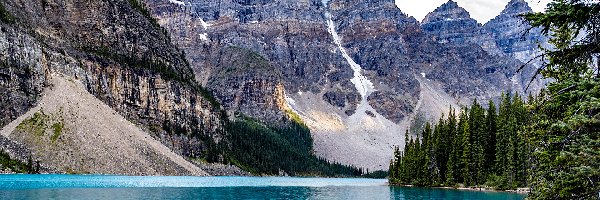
{"x":452,"y":24}
{"x":354,"y":70}
{"x":518,"y":40}
{"x":511,"y":32}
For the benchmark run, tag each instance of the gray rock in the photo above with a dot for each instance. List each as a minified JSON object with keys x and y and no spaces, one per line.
{"x":122,"y":57}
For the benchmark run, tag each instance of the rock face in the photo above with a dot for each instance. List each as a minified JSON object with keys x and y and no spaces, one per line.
{"x":359,"y":73}
{"x":246,"y":83}
{"x":452,"y":24}
{"x":22,"y":74}
{"x":511,"y":32}
{"x":376,"y":35}
{"x":290,"y":35}
{"x":121,"y":56}
{"x":516,"y":39}
{"x":72,"y":131}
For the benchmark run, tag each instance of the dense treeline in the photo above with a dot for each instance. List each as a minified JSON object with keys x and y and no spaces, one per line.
{"x":556,"y":142}
{"x":261,"y":149}
{"x":477,"y":147}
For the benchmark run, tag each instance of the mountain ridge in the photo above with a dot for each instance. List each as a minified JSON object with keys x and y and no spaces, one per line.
{"x":357,"y":73}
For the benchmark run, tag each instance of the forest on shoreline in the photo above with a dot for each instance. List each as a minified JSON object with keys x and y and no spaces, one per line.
{"x":478,"y":147}
{"x":550,"y":144}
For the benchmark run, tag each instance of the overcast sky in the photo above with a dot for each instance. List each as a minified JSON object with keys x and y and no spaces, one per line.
{"x":481,"y":10}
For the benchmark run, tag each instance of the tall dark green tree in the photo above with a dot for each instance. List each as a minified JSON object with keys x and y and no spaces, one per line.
{"x":478,"y":141}
{"x":425,"y":151}
{"x":502,"y":137}
{"x":566,"y":126}
{"x":490,"y":144}
{"x":464,"y":149}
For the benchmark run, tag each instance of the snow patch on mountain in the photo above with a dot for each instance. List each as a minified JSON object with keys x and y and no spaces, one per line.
{"x":204,"y":24}
{"x":204,"y":36}
{"x":363,"y":85}
{"x":180,"y":3}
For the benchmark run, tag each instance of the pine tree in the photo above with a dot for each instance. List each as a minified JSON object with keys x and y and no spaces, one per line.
{"x":437,"y":149}
{"x":470,"y":150}
{"x":425,"y":156}
{"x":502,"y":138}
{"x":566,"y":131}
{"x":490,"y":145}
{"x":477,"y":141}
{"x":453,"y":174}
{"x":467,"y":162}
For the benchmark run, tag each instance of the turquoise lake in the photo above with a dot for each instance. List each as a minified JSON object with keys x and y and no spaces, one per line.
{"x":170,"y":187}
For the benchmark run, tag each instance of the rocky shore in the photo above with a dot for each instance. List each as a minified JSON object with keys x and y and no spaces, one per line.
{"x":480,"y":189}
{"x":218,"y":169}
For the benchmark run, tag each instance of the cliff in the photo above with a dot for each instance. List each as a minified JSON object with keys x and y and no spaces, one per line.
{"x":121,"y":56}
{"x":357,"y":73}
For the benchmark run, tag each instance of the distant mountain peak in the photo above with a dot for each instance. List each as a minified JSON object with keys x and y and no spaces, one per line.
{"x":447,"y":11}
{"x":516,"y":7}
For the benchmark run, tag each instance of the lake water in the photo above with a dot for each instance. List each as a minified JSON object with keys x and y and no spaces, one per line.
{"x":162,"y":187}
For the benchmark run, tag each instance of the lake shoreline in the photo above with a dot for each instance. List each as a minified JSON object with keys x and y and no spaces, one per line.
{"x":478,"y":189}
{"x":27,"y":186}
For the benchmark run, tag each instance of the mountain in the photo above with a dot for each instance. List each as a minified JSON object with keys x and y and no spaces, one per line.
{"x":518,"y":40}
{"x":451,"y":23}
{"x":510,"y":32}
{"x":359,"y":73}
{"x":192,"y":79}
{"x":108,"y":55}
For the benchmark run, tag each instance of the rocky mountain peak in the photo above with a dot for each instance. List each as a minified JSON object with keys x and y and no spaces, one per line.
{"x":516,"y":7}
{"x":447,"y":11}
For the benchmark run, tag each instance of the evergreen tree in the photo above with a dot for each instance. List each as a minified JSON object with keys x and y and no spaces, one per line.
{"x":566,"y":130}
{"x":478,"y":141}
{"x":467,"y":162}
{"x":502,"y":138}
{"x":425,"y":156}
{"x":490,"y":144}
{"x":479,"y":147}
{"x":454,"y":164}
{"x":437,"y":151}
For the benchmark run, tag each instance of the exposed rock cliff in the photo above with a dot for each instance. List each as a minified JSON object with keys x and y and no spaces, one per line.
{"x":375,"y":33}
{"x":359,"y":73}
{"x":247,"y":83}
{"x":71,"y":131}
{"x":517,"y":39}
{"x":512,"y":34}
{"x":451,"y":23}
{"x":121,"y":56}
{"x":290,"y":35}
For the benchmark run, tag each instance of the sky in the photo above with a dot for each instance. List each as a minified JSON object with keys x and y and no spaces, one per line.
{"x":480,"y":10}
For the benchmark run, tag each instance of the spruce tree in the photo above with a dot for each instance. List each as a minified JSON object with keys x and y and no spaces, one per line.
{"x":477,"y":141}
{"x":566,"y":133}
{"x":490,"y":144}
{"x":467,"y":162}
{"x":502,"y":139}
{"x":426,"y":175}
{"x":453,"y":174}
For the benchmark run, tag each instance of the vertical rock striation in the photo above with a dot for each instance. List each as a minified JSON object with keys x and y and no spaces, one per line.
{"x":326,"y":56}
{"x":120,"y":54}
{"x":517,"y":39}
